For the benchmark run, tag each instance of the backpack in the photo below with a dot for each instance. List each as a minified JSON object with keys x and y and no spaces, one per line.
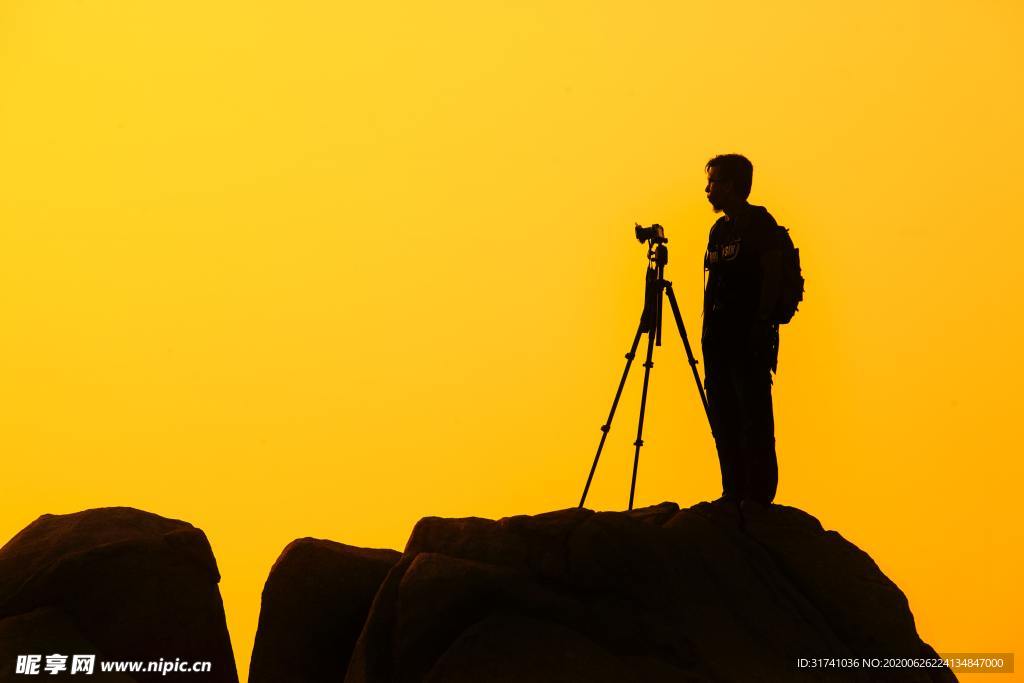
{"x":791,"y":287}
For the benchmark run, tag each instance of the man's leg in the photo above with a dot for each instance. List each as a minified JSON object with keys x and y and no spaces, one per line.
{"x":760,"y":466}
{"x":723,"y":408}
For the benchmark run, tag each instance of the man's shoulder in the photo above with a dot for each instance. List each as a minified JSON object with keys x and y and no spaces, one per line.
{"x":762,"y":216}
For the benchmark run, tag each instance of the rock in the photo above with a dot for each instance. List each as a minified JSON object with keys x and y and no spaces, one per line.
{"x":709,"y":593}
{"x":866,"y":610}
{"x":659,"y":594}
{"x":315,"y":603}
{"x":509,"y":648}
{"x":126,"y":584}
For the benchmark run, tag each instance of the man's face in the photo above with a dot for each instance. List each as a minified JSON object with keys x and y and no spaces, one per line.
{"x":717,"y":189}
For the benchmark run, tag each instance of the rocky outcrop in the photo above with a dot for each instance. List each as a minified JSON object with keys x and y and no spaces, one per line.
{"x":659,"y":594}
{"x":116,"y":582}
{"x":708,"y":593}
{"x":315,"y":603}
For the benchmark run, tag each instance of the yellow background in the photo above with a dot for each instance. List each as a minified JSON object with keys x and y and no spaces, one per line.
{"x":321,"y":269}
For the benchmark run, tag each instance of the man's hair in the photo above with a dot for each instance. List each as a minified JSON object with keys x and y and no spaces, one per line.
{"x":735,"y":168}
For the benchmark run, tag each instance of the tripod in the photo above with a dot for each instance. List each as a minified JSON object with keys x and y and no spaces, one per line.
{"x":650,"y":324}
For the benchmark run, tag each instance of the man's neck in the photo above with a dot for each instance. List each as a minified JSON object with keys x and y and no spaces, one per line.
{"x":735,"y":210}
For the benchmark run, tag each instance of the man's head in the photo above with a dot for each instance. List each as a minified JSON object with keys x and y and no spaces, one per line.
{"x":729,"y":180}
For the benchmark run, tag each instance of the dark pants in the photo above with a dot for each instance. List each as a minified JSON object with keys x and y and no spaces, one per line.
{"x":739,"y":393}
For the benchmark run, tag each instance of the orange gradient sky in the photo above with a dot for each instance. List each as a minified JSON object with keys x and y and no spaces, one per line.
{"x":322,"y":269}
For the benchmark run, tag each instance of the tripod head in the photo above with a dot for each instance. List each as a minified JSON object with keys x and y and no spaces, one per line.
{"x":655,"y":234}
{"x":657,"y":252}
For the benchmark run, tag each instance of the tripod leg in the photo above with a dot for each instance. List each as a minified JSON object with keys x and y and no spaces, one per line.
{"x":689,"y":351}
{"x":618,"y":394}
{"x":651,"y":337}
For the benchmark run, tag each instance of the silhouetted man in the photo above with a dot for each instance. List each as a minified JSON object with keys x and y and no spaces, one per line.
{"x":739,"y":339}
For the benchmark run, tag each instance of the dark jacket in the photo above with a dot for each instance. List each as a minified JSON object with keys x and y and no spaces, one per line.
{"x":744,"y":270}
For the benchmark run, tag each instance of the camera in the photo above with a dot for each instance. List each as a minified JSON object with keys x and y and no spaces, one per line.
{"x":654,"y":234}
